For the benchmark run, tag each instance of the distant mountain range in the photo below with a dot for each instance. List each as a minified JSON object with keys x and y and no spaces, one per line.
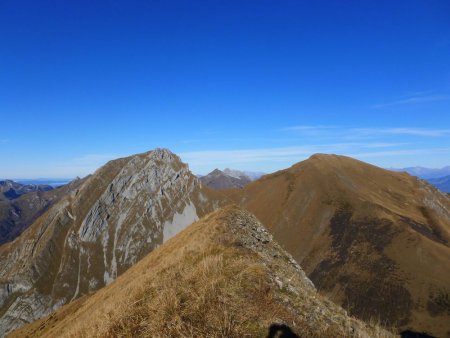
{"x":252,"y":175}
{"x":442,"y":183}
{"x":425,"y":173}
{"x":11,"y":189}
{"x":229,"y":178}
{"x":22,"y":204}
{"x":54,"y":182}
{"x":440,"y":178}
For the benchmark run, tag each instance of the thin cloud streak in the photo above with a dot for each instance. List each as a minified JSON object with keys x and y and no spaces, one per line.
{"x":401,"y":152}
{"x":205,"y":157}
{"x":412,"y":100}
{"x":403,"y":131}
{"x":334,"y":131}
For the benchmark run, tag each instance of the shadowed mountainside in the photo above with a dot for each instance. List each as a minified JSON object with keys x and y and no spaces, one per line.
{"x":25,"y":204}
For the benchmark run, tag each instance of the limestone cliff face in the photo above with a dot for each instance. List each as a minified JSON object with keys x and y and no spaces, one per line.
{"x":118,"y":215}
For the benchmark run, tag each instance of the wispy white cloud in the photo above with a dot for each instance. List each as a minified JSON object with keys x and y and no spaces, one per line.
{"x":354,"y":133}
{"x":402,"y":131}
{"x":271,"y":159}
{"x":400,"y":152}
{"x":418,"y":98}
{"x":281,"y":154}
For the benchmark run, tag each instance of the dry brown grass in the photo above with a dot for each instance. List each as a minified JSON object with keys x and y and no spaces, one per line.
{"x":205,"y":298}
{"x":203,"y":283}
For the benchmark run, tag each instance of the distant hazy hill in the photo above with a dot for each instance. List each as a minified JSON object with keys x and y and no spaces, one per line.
{"x":21,"y":205}
{"x":440,"y":178}
{"x":426,"y":173}
{"x":11,"y":189}
{"x":252,"y":175}
{"x":229,"y":178}
{"x":442,"y":183}
{"x":54,"y":182}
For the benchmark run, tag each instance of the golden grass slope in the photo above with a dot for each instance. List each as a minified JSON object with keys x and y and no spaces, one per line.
{"x":223,"y":276}
{"x":375,"y":241}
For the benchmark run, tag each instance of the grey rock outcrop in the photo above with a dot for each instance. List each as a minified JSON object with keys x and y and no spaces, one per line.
{"x":118,"y":215}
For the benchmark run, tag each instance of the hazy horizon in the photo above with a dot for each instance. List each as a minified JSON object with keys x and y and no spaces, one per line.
{"x":68,"y":179}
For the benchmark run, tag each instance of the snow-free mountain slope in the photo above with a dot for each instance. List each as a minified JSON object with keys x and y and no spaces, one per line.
{"x":11,"y":190}
{"x":220,"y":180}
{"x":442,"y":183}
{"x":223,"y":276}
{"x":375,"y":241}
{"x":426,"y":173}
{"x":119,"y":214}
{"x":30,"y":201}
{"x":252,"y":175}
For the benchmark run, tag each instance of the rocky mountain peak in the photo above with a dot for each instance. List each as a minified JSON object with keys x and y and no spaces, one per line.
{"x":220,"y":180}
{"x":216,"y":172}
{"x":120,"y":213}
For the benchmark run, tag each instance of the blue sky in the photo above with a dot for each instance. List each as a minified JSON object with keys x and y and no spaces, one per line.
{"x":255,"y":84}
